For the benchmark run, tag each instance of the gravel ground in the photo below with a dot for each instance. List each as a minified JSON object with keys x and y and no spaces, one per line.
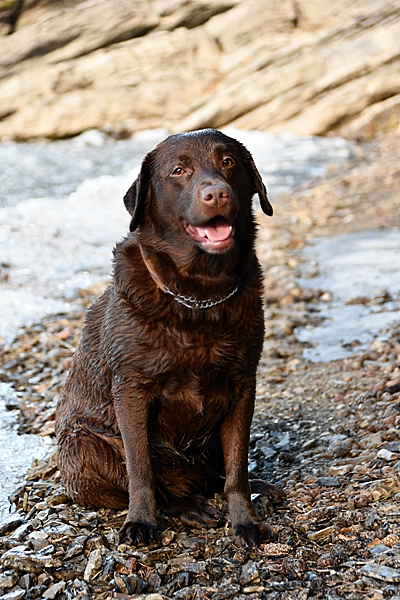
{"x":327,"y":432}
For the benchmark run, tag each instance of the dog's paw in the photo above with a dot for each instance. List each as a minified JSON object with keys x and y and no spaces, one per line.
{"x":136,"y":532}
{"x":265,"y":488}
{"x":249,"y":535}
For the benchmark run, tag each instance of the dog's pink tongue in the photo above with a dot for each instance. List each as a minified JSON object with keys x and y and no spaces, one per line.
{"x":216,"y":232}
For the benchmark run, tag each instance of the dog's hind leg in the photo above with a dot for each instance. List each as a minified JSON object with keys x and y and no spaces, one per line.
{"x":92,"y":469}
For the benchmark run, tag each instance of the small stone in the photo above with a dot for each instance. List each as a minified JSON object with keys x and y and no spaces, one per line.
{"x":44,"y":579}
{"x":308,"y":444}
{"x":340,"y":450}
{"x":180,"y":560}
{"x":21,"y":531}
{"x":380,"y":572}
{"x":284,"y":443}
{"x":387,"y":455}
{"x":275,"y":549}
{"x":57,"y":499}
{"x":93,"y":565}
{"x":123,"y":584}
{"x":328,"y":482}
{"x":8,"y":579}
{"x":391,"y":540}
{"x":26,"y":581}
{"x":249,"y":573}
{"x":59,"y":531}
{"x":379,"y":549}
{"x":393,"y":517}
{"x":39,"y":544}
{"x":54,"y":590}
{"x":370,"y":441}
{"x":112,"y":539}
{"x":167,"y":537}
{"x":194,"y":543}
{"x":26,"y":560}
{"x":43,"y":514}
{"x":315,"y":536}
{"x":326,"y":297}
{"x":74,"y":550}
{"x":97,"y":542}
{"x":158,"y":555}
{"x":195,"y":567}
{"x":14,"y":595}
{"x":393,"y":447}
{"x":154,"y":581}
{"x":11,"y":523}
{"x":127,"y":567}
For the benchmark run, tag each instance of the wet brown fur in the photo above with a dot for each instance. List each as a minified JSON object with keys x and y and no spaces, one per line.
{"x":157,"y":407}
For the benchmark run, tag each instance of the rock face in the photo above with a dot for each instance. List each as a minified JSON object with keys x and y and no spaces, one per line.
{"x":304,"y":66}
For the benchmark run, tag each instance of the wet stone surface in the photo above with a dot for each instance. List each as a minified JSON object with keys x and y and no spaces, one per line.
{"x":327,"y":432}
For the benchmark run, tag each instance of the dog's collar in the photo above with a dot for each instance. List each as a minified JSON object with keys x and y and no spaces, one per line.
{"x":187,"y":301}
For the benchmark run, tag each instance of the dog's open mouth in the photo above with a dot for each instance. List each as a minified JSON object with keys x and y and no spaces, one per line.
{"x":216,"y":234}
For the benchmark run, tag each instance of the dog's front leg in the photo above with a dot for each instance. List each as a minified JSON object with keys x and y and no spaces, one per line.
{"x":132,"y":411}
{"x":235,"y":432}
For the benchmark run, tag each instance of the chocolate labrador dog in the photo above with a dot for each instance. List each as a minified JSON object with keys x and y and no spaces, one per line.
{"x":157,"y":407}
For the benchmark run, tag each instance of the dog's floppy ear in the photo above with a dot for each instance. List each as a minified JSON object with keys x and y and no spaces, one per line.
{"x":135,"y":197}
{"x":257,"y":184}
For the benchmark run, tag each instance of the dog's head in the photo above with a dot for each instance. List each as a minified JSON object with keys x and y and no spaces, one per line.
{"x":201,"y":183}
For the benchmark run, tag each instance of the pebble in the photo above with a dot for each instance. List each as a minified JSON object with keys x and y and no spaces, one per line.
{"x":372,"y":440}
{"x":249,"y":573}
{"x":167,"y":537}
{"x":14,"y":595}
{"x":195,"y":567}
{"x":381,"y":572}
{"x":93,"y":565}
{"x":308,"y":444}
{"x":21,"y":531}
{"x":328,"y":482}
{"x":8,"y":579}
{"x":22,"y":558}
{"x":276,"y":549}
{"x":316,"y":536}
{"x":387,"y":455}
{"x":11,"y":523}
{"x":253,"y":589}
{"x":54,"y":589}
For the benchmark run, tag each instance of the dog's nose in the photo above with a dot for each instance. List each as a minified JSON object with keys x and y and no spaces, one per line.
{"x":215,"y":195}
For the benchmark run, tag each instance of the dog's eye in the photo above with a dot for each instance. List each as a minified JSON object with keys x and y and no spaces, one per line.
{"x":228,"y":162}
{"x":178,"y":171}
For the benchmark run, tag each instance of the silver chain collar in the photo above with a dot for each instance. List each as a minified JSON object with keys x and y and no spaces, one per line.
{"x":187,"y":301}
{"x":192,"y":303}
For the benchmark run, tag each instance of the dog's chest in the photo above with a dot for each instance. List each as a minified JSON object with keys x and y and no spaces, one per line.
{"x":172,"y":353}
{"x":196,"y":378}
{"x":188,"y":408}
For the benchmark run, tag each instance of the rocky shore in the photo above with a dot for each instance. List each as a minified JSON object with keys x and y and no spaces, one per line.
{"x":303,"y":66}
{"x":327,"y":432}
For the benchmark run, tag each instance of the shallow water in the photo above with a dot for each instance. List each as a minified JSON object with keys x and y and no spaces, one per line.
{"x":17,"y":451}
{"x":358,"y":265}
{"x":61,"y":212}
{"x":55,"y":169}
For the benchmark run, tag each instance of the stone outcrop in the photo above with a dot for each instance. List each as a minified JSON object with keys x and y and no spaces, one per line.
{"x":304,"y":66}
